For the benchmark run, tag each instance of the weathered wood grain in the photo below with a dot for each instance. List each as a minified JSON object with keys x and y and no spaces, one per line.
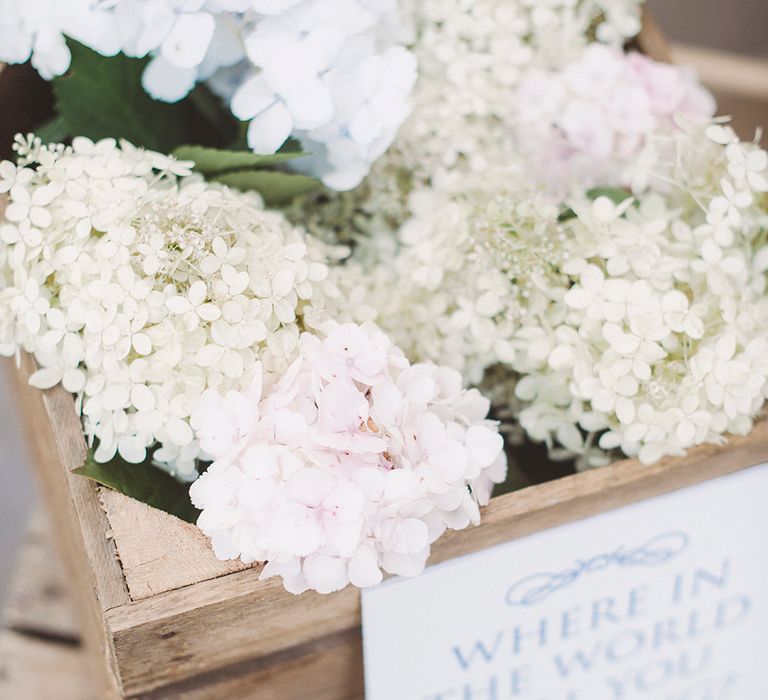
{"x":158,"y":641}
{"x":157,"y":551}
{"x":222,"y":622}
{"x":54,"y":431}
{"x":330,"y":668}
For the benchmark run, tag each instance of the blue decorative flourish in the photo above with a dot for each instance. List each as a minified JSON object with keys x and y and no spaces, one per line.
{"x":656,"y":551}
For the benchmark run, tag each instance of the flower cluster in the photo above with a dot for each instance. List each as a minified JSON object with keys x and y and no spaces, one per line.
{"x":636,"y":322}
{"x":333,"y":73}
{"x":472,"y":56}
{"x":470,"y":133}
{"x":139,"y":286}
{"x":350,"y":462}
{"x":587,"y":122}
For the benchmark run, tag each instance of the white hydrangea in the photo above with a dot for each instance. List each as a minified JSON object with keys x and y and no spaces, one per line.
{"x":350,"y":462}
{"x":434,"y":290}
{"x":138,"y":286}
{"x":472,"y":56}
{"x":34,"y":30}
{"x":639,"y":325}
{"x":332,"y":73}
{"x":587,"y":122}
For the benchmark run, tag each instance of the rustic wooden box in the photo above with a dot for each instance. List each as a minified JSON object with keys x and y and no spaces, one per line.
{"x":169,"y":620}
{"x":172,"y":621}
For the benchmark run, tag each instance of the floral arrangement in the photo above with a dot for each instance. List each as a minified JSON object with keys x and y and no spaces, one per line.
{"x":516,"y":202}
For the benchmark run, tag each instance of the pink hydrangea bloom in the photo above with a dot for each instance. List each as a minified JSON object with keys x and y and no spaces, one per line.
{"x":587,"y":122}
{"x":351,"y":462}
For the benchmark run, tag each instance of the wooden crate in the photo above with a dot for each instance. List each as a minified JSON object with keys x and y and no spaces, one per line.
{"x":173,"y":621}
{"x":169,"y":620}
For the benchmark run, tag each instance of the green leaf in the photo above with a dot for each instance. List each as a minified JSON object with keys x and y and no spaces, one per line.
{"x":213,"y":161}
{"x":212,"y":121}
{"x":142,"y":482}
{"x":566,"y":215}
{"x":276,"y":187}
{"x":53,"y":131}
{"x":615,"y":194}
{"x":102,"y":97}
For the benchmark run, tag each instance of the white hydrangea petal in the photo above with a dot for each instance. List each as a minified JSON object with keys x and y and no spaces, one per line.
{"x":484,"y":445}
{"x":188,"y":41}
{"x":166,"y":82}
{"x":252,"y":97}
{"x":364,"y":570}
{"x":325,"y":574}
{"x":309,"y":103}
{"x":270,"y":129}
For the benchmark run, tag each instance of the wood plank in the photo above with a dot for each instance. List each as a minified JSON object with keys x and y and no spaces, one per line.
{"x":726,"y":72}
{"x":38,"y":596}
{"x":178,"y":554}
{"x":158,"y":641}
{"x":217,"y":623}
{"x":55,"y":433}
{"x":651,"y":40}
{"x":31,"y":668}
{"x":329,"y":669}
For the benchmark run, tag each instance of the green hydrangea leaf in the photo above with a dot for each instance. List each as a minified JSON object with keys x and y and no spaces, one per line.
{"x":53,"y":131}
{"x":213,"y":161}
{"x":102,"y":96}
{"x":143,"y":482}
{"x":275,"y":187}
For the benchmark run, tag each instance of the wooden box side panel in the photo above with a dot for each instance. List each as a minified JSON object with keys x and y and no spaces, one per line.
{"x":160,"y":641}
{"x":220,"y":623}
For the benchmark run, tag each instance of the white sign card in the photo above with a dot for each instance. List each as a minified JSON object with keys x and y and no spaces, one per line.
{"x":666,"y":599}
